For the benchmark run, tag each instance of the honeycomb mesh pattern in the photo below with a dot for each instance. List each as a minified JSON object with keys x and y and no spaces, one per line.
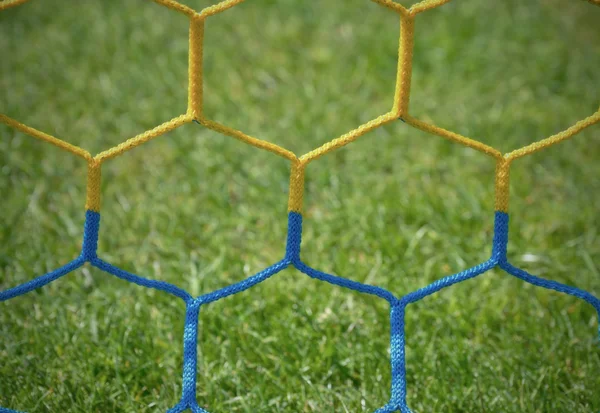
{"x":399,"y":111}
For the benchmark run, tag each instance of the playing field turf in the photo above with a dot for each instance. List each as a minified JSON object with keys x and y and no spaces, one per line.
{"x":399,"y":208}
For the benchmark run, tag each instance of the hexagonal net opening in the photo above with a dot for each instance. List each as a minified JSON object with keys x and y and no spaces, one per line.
{"x":287,"y":70}
{"x":110,"y":76}
{"x":503,"y":71}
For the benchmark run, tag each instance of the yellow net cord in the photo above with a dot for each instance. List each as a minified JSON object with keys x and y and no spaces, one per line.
{"x":400,"y":110}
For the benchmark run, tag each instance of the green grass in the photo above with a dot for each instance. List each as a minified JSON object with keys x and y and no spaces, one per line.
{"x":398,"y":208}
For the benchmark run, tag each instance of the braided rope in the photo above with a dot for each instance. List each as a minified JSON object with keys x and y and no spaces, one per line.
{"x":400,"y":110}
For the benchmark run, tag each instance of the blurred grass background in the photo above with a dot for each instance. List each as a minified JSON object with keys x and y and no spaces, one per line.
{"x":398,"y":208}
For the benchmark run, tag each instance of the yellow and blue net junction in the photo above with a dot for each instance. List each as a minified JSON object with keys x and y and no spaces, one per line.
{"x":298,"y":164}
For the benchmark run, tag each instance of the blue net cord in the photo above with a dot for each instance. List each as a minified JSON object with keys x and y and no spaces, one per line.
{"x":292,"y":257}
{"x":144,"y":282}
{"x":190,"y":360}
{"x":498,"y":259}
{"x":5,"y":410}
{"x":398,"y":306}
{"x":41,"y":280}
{"x":553,"y":285}
{"x":293,"y":254}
